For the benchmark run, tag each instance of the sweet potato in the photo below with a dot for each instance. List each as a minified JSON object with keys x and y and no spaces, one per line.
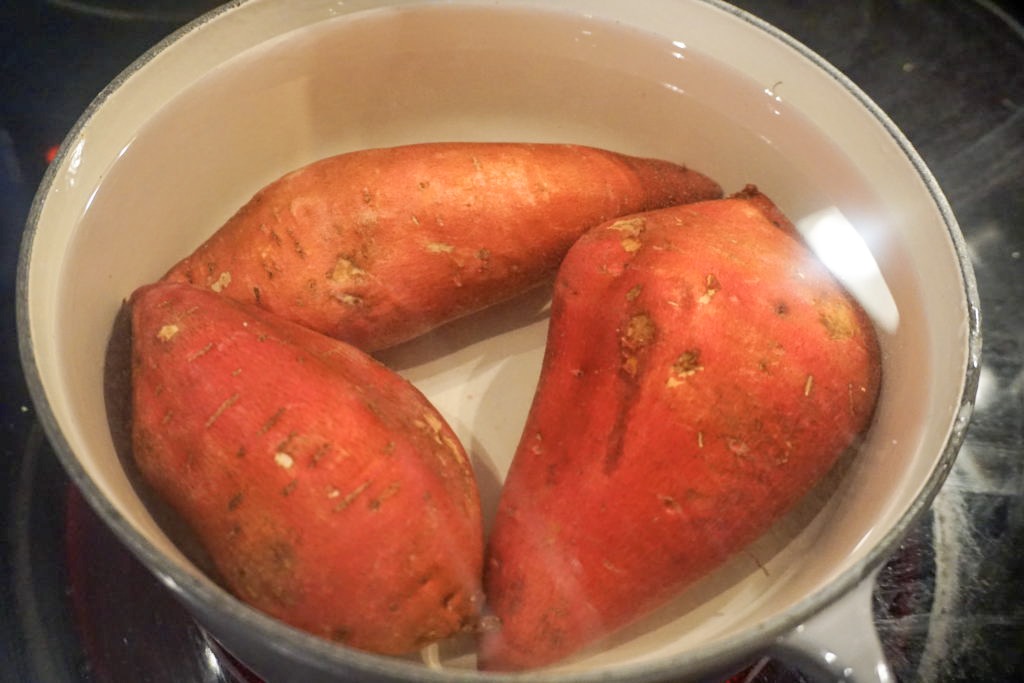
{"x":703,"y":371}
{"x":377,"y":246}
{"x":327,"y":491}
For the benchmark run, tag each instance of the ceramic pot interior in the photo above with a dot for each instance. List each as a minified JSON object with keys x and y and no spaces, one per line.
{"x":255,"y":91}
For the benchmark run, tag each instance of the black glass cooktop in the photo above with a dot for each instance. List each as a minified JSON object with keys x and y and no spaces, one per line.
{"x":949,"y":605}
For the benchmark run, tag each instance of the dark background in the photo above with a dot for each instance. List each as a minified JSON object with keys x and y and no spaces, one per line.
{"x":949,"y":606}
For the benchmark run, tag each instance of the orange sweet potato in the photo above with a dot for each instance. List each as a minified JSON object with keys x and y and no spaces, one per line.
{"x":377,"y":246}
{"x":703,"y":372}
{"x":327,"y":491}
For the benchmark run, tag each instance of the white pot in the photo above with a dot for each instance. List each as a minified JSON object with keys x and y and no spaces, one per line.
{"x":184,"y":136}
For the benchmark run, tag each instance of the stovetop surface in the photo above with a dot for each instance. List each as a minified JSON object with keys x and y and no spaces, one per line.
{"x":949,"y":605}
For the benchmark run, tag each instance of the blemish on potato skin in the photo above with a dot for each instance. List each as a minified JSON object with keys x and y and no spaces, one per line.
{"x":230,"y":401}
{"x":235,"y":501}
{"x":631,"y":365}
{"x":484,"y":256}
{"x":296,"y":243}
{"x":837,"y":319}
{"x":449,"y":601}
{"x":639,"y":332}
{"x":631,"y":228}
{"x":670,"y":504}
{"x":538,"y":444}
{"x":285,"y":443}
{"x":711,"y":287}
{"x":167,"y":332}
{"x":351,"y":497}
{"x":686,"y":365}
{"x":319,"y":454}
{"x":433,"y":426}
{"x":350,"y":299}
{"x":201,"y":352}
{"x":614,"y":569}
{"x":346,"y":270}
{"x":808,"y":384}
{"x":272,"y":420}
{"x":269,"y":573}
{"x":738,"y":447}
{"x":221,"y":283}
{"x":631,"y":245}
{"x":390,"y":492}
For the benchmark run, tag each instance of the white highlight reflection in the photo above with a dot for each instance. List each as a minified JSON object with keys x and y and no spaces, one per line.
{"x":75,"y":161}
{"x":212,"y":663}
{"x":841,"y":248}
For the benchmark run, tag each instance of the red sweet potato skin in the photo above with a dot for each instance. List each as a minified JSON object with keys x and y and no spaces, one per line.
{"x":703,"y":371}
{"x":328,"y":492}
{"x":377,"y":246}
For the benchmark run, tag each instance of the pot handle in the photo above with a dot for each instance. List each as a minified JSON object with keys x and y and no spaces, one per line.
{"x":840,"y":643}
